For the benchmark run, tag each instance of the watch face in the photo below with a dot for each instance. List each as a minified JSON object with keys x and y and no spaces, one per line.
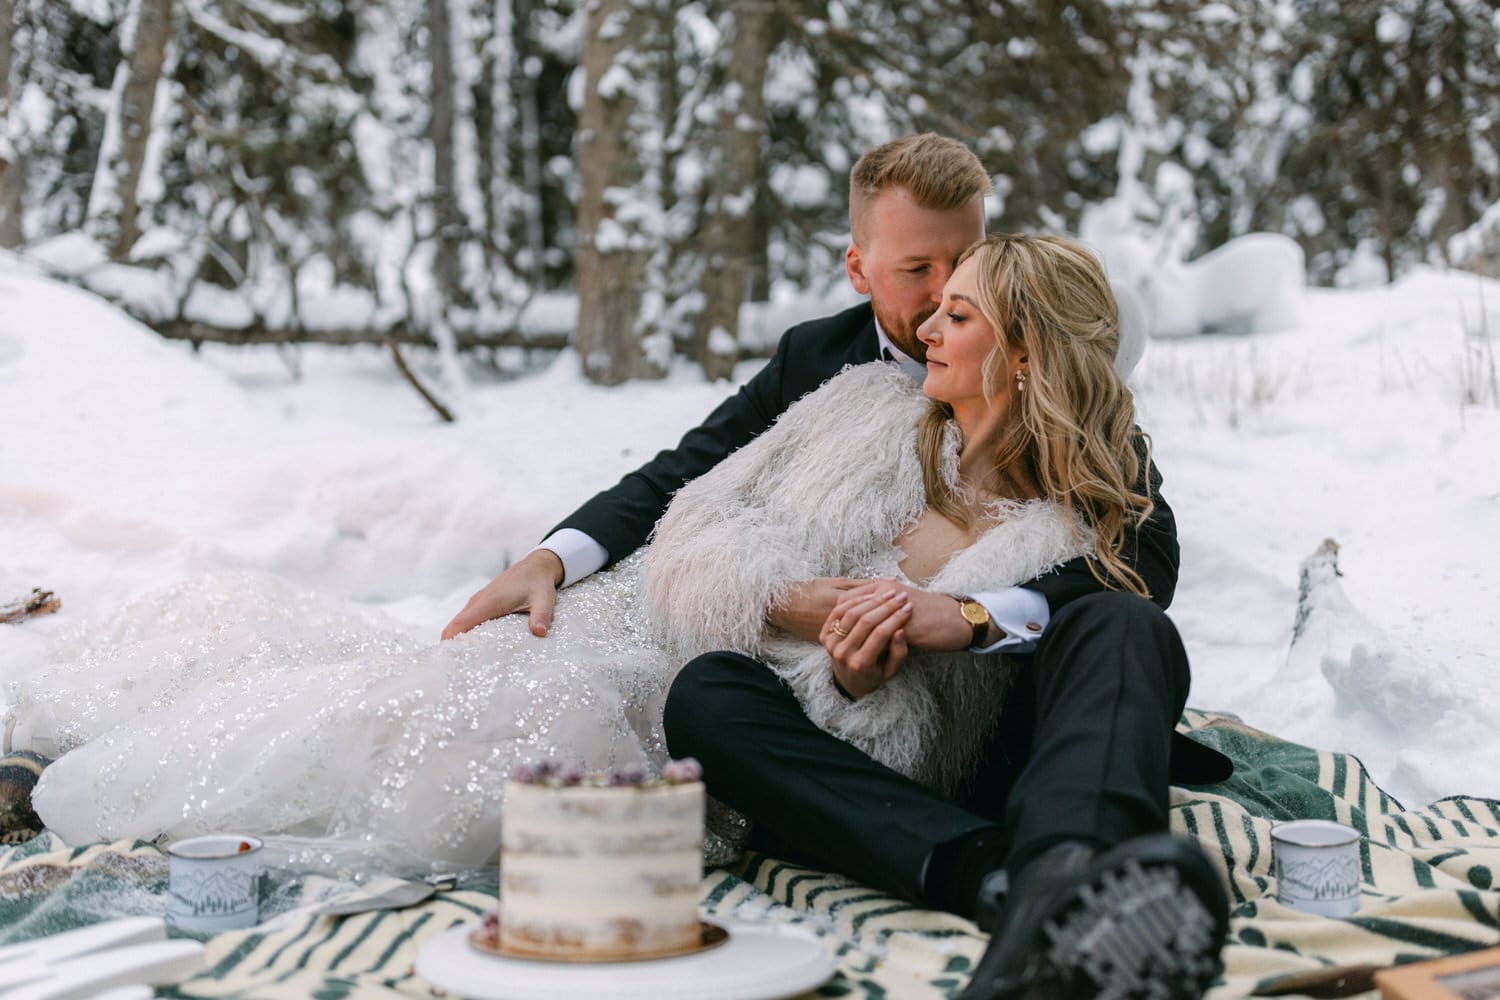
{"x":975,"y":613}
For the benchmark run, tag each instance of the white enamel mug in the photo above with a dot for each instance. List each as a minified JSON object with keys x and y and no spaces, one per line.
{"x":214,"y":882}
{"x":1317,"y":866}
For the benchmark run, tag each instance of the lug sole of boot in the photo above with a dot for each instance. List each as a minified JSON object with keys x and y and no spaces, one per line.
{"x":1135,"y":931}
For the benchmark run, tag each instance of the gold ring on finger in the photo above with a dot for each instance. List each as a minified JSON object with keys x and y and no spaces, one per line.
{"x":838,"y":627}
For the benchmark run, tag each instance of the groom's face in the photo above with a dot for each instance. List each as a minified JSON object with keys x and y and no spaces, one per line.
{"x":903,"y":255}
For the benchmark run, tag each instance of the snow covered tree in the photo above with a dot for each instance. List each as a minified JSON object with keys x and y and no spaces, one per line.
{"x":533,"y":177}
{"x":10,"y":190}
{"x":114,"y":200}
{"x":262,"y":184}
{"x":447,"y":221}
{"x":63,"y":62}
{"x":1211,"y":122}
{"x":620,"y":205}
{"x":431,"y":165}
{"x":1402,"y":143}
{"x":1024,"y":82}
{"x":726,"y":246}
{"x":468,"y":113}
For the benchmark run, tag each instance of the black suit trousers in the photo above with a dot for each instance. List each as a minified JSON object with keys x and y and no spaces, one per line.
{"x":1082,"y":749}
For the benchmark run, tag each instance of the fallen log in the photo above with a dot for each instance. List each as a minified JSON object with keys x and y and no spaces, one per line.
{"x":204,"y":333}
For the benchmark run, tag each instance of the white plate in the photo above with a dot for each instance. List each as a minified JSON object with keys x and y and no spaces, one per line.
{"x":758,"y":962}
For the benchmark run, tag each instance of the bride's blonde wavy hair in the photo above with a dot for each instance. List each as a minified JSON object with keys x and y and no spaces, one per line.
{"x":1047,"y":298}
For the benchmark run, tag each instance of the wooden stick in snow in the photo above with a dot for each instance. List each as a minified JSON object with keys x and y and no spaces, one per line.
{"x":39,"y":602}
{"x":411,"y":377}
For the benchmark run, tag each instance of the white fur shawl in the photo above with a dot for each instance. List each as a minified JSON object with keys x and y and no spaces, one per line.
{"x":823,"y":493}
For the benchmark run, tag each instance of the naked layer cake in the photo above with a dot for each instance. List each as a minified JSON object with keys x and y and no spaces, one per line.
{"x":601,"y":868}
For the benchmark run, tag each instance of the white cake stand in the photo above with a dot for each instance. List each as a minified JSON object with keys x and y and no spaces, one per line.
{"x":758,"y":962}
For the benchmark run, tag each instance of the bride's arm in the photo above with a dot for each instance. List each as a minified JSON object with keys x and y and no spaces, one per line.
{"x":807,"y":605}
{"x":720,"y":560}
{"x":747,"y":548}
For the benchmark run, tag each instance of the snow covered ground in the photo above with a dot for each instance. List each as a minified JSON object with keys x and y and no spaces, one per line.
{"x":127,"y":462}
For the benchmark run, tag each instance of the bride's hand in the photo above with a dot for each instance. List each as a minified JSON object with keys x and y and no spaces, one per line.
{"x":864,"y":636}
{"x":936,"y":623}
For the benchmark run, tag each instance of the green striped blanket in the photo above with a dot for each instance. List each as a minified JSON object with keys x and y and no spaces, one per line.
{"x":1428,"y":890}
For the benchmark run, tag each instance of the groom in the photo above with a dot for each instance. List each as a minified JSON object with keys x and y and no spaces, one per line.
{"x":1070,"y":799}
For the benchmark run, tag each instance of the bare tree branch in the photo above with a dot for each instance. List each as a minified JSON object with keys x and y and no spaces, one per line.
{"x":442,"y":410}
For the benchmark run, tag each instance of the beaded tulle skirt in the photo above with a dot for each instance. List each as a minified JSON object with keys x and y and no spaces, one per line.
{"x":239,"y":703}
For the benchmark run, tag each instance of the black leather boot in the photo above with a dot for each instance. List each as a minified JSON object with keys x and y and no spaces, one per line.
{"x":1142,"y":921}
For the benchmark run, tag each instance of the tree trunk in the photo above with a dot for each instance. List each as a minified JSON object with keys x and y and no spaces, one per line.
{"x":11,"y":234}
{"x":1385,"y":227}
{"x":729,"y":240}
{"x":760,"y":241}
{"x":116,"y":208}
{"x":491,"y":127}
{"x":528,"y":147}
{"x":447,"y":225}
{"x":618,"y":212}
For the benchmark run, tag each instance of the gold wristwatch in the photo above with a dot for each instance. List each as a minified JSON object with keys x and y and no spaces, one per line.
{"x":977,"y":615}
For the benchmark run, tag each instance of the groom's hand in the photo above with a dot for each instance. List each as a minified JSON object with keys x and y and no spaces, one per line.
{"x":528,"y":585}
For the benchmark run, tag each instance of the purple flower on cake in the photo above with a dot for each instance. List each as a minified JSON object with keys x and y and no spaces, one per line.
{"x":526,"y":774}
{"x":682,"y":772}
{"x":630,"y":774}
{"x":556,"y":774}
{"x":548,"y":772}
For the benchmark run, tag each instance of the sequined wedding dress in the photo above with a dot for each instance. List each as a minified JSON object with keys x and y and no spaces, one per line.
{"x":237,"y":703}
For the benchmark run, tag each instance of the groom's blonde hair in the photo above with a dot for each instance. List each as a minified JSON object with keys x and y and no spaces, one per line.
{"x":1073,"y":426}
{"x":939,"y":173}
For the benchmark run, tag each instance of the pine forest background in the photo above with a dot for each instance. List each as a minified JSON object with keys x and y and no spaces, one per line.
{"x":349,"y":170}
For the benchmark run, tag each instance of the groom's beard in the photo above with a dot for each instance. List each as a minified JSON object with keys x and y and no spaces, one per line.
{"x":903,"y":330}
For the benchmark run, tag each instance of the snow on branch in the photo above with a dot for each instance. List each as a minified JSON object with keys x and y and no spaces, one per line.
{"x":269,"y":52}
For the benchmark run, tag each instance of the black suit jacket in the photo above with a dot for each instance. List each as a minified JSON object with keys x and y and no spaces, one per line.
{"x":621,"y":518}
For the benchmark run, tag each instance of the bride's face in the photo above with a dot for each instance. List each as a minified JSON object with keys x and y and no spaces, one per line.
{"x":958,"y":340}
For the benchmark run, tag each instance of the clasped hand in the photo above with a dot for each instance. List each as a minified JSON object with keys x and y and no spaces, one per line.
{"x":865,"y":636}
{"x":873,"y":626}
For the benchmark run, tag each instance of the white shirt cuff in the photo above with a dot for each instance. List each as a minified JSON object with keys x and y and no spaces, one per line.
{"x":581,"y":556}
{"x":1022,"y":614}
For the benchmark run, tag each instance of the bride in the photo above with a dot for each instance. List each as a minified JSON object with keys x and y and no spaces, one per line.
{"x":238,"y":703}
